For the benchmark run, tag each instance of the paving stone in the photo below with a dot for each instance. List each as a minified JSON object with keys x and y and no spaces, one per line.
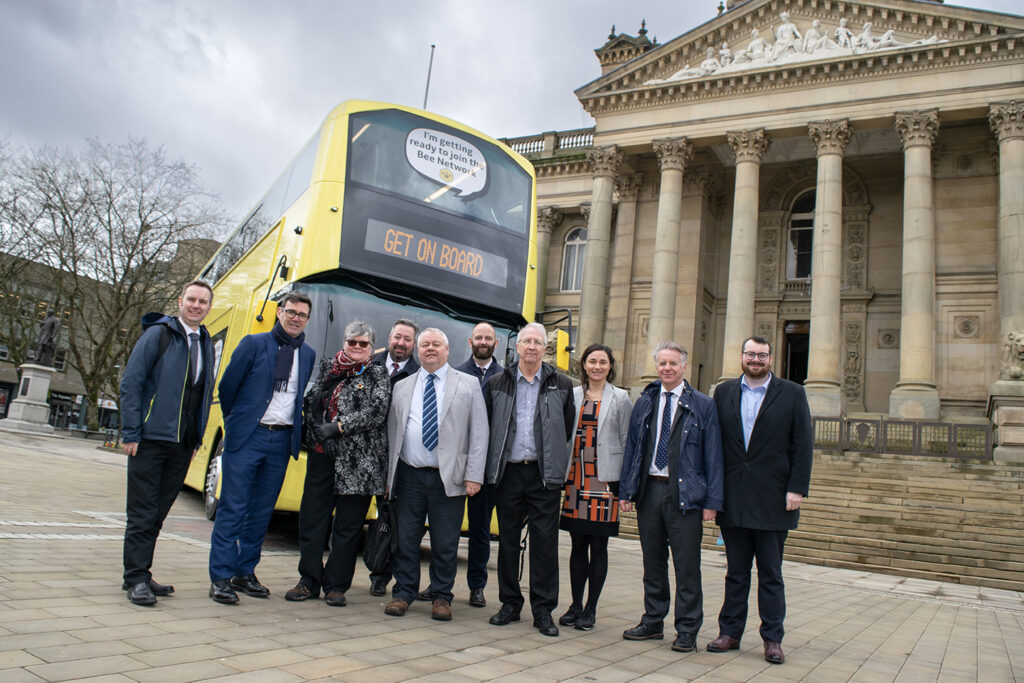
{"x":82,"y":668}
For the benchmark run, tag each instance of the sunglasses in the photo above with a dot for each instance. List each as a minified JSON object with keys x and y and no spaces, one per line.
{"x":361,"y":343}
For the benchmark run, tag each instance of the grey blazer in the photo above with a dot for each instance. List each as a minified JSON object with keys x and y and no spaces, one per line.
{"x":461,"y":434}
{"x":612,"y":430}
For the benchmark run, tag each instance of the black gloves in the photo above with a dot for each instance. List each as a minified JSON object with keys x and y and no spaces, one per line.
{"x":328,"y":430}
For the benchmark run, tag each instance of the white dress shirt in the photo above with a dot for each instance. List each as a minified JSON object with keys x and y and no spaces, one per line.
{"x":413,"y":452}
{"x":281,"y":410}
{"x":676,"y":393}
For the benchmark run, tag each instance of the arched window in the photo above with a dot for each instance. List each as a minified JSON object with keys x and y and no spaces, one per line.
{"x":801,"y":237}
{"x":572,"y":260}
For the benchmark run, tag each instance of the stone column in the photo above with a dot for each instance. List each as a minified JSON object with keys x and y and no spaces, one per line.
{"x":749,"y":147}
{"x":1006,"y":395}
{"x":594,"y":290}
{"x":673,"y":154}
{"x":915,"y":395}
{"x":548,"y":219}
{"x":627,"y":186}
{"x":823,"y":363}
{"x":690,"y":273}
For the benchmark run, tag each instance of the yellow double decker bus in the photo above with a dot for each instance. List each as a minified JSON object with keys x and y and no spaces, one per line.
{"x":387,"y":212}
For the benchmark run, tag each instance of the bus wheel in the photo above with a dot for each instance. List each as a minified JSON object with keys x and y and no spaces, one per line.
{"x":213,"y":472}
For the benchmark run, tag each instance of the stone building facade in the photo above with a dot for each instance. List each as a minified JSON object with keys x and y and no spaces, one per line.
{"x":844,"y":178}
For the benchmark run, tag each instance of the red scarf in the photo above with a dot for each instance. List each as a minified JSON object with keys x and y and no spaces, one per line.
{"x":342,"y":369}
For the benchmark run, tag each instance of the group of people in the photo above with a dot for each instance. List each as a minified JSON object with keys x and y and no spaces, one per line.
{"x":438,"y":442}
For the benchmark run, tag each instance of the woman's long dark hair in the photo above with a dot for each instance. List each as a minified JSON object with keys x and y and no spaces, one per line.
{"x":583,"y":359}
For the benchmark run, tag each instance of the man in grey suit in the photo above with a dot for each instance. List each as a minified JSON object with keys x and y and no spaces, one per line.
{"x":437,"y":431}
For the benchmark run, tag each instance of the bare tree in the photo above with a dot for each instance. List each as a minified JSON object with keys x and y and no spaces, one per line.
{"x":108,"y":225}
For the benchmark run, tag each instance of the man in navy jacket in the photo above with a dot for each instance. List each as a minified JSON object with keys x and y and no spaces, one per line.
{"x":481,"y":364}
{"x":165,"y":398}
{"x":672,"y":472}
{"x":261,"y":395}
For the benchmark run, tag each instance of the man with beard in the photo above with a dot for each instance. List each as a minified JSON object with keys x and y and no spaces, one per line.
{"x":481,"y":364}
{"x":261,"y":395}
{"x":767,"y":443}
{"x":400,"y":364}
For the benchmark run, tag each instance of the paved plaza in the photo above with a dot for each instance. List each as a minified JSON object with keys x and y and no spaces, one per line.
{"x":64,"y":617}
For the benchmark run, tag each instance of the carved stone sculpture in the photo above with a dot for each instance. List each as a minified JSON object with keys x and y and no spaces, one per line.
{"x":1013,"y":357}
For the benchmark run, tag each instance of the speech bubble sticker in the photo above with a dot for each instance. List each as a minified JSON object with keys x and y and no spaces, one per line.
{"x":448,"y":160}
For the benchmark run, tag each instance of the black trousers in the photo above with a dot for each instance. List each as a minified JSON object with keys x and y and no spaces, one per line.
{"x":662,"y":526}
{"x":155,"y":475}
{"x":419,"y":494}
{"x":521,"y":498}
{"x":741,"y":547}
{"x":479,"y":509}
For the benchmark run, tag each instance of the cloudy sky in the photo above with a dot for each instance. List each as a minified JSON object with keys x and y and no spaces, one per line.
{"x":236,"y":86}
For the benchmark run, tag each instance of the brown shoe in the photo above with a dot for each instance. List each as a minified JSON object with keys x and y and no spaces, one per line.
{"x":396,"y":608}
{"x":299,"y":593}
{"x":723,"y":644}
{"x":773,"y":652}
{"x":335,"y":599}
{"x":441,"y":610}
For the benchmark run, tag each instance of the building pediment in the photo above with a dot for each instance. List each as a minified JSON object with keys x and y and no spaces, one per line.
{"x":779,"y":43}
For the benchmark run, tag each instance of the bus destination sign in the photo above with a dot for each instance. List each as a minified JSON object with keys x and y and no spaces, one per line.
{"x":446,"y":255}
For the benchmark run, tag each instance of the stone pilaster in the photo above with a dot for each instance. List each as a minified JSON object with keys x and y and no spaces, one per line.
{"x":627,"y":186}
{"x":673,"y":155}
{"x":915,"y":395}
{"x":823,"y":363}
{"x":548,"y":218}
{"x":1006,"y":396}
{"x":749,"y":147}
{"x":604,"y":163}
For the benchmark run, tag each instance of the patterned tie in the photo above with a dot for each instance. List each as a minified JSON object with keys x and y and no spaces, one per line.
{"x":429,"y":414}
{"x":394,"y":369}
{"x":193,"y":355}
{"x":661,"y":459}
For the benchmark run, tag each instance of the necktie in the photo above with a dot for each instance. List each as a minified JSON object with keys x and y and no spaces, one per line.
{"x":394,"y":369}
{"x":661,"y":459}
{"x":429,"y":414}
{"x":193,"y":355}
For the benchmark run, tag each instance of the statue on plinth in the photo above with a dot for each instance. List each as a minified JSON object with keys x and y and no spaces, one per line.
{"x":47,"y":339}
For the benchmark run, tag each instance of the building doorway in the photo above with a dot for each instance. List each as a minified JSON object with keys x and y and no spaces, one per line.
{"x":798,"y":335}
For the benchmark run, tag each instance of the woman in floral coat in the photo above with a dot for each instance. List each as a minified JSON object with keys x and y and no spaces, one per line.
{"x":346,"y":421}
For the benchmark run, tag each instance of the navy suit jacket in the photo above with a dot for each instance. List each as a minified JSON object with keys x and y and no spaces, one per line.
{"x":247,"y":386}
{"x":411,"y":368}
{"x":471,"y":368}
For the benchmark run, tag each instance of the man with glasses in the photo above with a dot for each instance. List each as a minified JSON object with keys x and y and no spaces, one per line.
{"x":532,"y":416}
{"x":261,"y":395}
{"x":767,"y":442}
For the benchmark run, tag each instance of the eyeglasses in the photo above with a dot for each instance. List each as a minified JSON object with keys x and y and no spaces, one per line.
{"x":361,"y":343}
{"x":292,"y":313}
{"x":750,"y":355}
{"x":531,"y":342}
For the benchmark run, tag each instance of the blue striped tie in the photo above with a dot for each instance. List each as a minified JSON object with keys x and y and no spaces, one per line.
{"x":429,"y":414}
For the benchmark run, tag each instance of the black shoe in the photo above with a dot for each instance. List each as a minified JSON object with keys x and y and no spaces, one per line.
{"x":545,"y":625}
{"x":300,"y":592}
{"x":685,"y":642}
{"x":505,"y":616}
{"x":476,"y":597}
{"x":644,"y":631}
{"x":586,"y":621}
{"x":158,"y":589}
{"x":335,"y":598}
{"x":222,"y":592}
{"x":570,"y":617}
{"x":250,"y":585}
{"x":378,"y":587}
{"x":425,"y":596}
{"x":141,"y":594}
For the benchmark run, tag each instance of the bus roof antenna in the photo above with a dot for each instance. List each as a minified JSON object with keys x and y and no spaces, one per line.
{"x":430,"y":68}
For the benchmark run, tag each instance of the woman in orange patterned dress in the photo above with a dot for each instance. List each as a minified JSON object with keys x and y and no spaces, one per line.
{"x":590,"y":507}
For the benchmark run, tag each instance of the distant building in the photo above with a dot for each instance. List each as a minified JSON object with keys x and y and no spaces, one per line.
{"x":844,"y":178}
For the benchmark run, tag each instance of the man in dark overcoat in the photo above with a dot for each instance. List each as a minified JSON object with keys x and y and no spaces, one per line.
{"x":767,"y":444}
